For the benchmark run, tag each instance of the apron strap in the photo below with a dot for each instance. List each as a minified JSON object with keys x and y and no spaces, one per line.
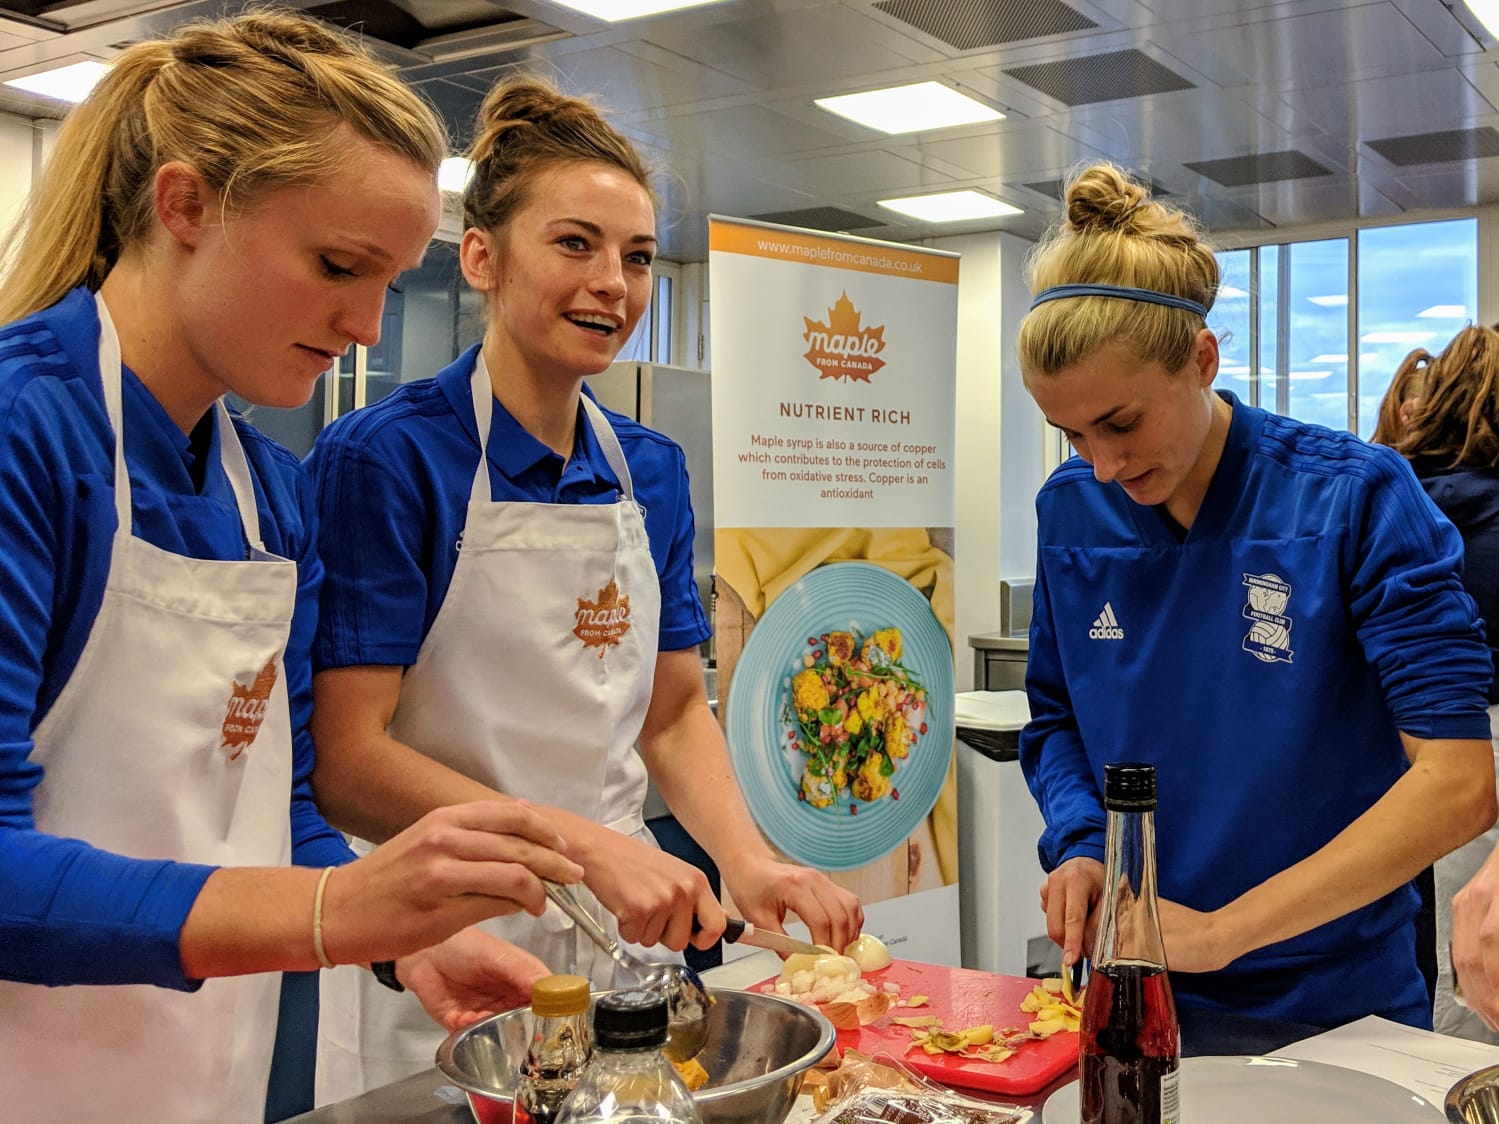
{"x":482,"y":391}
{"x":231,"y":452}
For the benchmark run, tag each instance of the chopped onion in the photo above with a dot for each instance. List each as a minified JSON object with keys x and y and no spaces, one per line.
{"x":869,"y":953}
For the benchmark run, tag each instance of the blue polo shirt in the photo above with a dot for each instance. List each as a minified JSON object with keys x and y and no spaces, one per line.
{"x":1266,"y":663}
{"x":71,"y":913}
{"x":393,"y":483}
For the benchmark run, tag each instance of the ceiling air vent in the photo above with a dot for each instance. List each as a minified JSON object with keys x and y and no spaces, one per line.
{"x":971,"y":24}
{"x":820,"y":218}
{"x":1258,"y":167}
{"x":437,"y":30}
{"x":1439,"y":148}
{"x":1108,"y":77}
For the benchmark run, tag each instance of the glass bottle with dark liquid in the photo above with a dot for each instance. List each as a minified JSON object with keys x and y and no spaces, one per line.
{"x":1131,"y":1040}
{"x":561,"y":1044}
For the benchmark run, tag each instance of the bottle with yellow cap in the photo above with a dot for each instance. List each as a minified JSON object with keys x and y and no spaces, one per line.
{"x":561,"y":1044}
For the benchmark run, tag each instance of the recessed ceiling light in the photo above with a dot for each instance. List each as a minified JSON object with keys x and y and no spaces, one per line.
{"x":1329,"y":358}
{"x":70,"y":83}
{"x":1231,"y":291}
{"x":612,"y":11}
{"x":454,"y":172}
{"x":1445,"y":311}
{"x":1333,"y":300}
{"x":950,"y":206}
{"x":1301,"y":376}
{"x":1487,"y":12}
{"x":910,"y":109}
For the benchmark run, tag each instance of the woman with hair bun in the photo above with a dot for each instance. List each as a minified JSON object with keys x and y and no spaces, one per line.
{"x":1441,"y":413}
{"x":509,"y":603}
{"x":223,"y":213}
{"x":1289,"y":642}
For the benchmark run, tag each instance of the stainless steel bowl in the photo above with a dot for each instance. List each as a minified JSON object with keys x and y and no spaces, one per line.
{"x":1475,"y":1099}
{"x":757,"y":1050}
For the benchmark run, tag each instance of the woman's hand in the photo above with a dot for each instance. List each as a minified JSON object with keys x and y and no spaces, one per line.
{"x":655,"y":896}
{"x":470,"y":976}
{"x":1070,"y":898}
{"x":765,"y":889}
{"x":1475,"y":941}
{"x":451,"y":868}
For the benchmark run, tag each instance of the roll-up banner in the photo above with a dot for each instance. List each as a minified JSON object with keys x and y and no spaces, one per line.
{"x":834,"y":383}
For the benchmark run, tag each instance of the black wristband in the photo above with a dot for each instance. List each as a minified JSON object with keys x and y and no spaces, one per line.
{"x":385,"y":972}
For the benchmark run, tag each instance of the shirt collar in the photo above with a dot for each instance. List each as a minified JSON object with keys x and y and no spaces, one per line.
{"x":511,"y":449}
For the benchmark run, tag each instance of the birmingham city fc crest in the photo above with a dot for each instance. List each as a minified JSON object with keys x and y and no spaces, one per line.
{"x":1269,"y":636}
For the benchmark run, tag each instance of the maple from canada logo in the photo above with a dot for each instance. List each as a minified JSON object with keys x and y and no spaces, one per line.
{"x":842,"y":348}
{"x":602,"y":623}
{"x":246,"y":710}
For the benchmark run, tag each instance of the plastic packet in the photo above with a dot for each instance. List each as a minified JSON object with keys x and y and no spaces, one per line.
{"x":879,"y":1089}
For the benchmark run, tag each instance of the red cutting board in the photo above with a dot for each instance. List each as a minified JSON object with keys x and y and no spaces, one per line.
{"x":962,"y":998}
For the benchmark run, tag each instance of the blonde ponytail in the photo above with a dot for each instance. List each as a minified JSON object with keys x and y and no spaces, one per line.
{"x":265,"y":100}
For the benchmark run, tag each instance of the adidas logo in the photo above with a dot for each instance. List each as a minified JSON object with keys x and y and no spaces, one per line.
{"x":1106,"y":627}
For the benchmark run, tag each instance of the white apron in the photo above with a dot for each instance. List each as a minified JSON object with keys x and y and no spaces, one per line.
{"x":534,"y":679}
{"x":171,"y":740}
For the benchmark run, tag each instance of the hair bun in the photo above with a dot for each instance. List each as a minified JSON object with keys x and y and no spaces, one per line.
{"x":1103,"y":198}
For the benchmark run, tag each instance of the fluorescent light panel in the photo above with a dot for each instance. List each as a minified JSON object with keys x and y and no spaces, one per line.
{"x":1333,"y":300}
{"x":950,"y":206}
{"x":70,"y":83}
{"x":1397,"y":337}
{"x":613,"y":11}
{"x":1487,"y":12}
{"x":1445,"y":312}
{"x":910,"y":109}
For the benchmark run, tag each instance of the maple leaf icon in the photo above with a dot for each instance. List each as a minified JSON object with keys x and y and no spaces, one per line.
{"x":602,"y":622}
{"x":842,"y":348}
{"x":246,"y":710}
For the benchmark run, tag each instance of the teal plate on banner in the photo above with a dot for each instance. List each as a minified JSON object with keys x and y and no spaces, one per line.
{"x":838,"y":597}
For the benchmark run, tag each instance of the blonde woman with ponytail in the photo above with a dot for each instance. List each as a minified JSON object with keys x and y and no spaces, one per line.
{"x":509,"y":603}
{"x":1268,"y":611}
{"x":222,"y":214}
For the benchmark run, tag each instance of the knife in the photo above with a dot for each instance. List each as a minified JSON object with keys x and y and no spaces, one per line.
{"x":743,"y":932}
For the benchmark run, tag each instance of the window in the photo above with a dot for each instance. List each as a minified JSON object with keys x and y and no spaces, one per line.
{"x":1282,"y":315}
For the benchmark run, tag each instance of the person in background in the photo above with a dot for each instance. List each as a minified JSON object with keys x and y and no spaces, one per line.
{"x":222,"y":213}
{"x":1441,"y":414}
{"x":1268,"y":611}
{"x":509,"y":603}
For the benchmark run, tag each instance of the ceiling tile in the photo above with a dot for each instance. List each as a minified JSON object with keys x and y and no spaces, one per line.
{"x":1442,"y":147}
{"x":863,"y":172}
{"x":1013,"y":153}
{"x":780,"y":50}
{"x":1302,"y":52}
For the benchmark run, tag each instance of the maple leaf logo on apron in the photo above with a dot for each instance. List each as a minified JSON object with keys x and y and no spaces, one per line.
{"x":246,"y":710}
{"x":602,"y":622}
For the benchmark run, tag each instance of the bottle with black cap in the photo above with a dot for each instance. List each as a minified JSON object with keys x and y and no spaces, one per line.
{"x":629,"y":1080}
{"x":1131,"y":1039}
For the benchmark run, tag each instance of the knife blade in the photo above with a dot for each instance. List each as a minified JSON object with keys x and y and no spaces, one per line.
{"x":739,"y":931}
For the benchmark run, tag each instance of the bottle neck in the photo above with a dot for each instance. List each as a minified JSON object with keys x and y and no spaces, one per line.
{"x":1129,"y":926}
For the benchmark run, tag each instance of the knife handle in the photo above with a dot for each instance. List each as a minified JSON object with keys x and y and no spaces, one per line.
{"x":733,"y":929}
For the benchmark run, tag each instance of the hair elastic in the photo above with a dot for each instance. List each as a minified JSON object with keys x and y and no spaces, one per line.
{"x":1120,"y":292}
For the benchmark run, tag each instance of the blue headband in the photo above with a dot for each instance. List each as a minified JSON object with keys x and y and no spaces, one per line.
{"x":1120,"y":292}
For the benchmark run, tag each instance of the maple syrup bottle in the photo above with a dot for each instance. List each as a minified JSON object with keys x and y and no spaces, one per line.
{"x":1131,"y":1039}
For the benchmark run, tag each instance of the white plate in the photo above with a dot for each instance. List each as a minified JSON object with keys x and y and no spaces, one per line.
{"x":1256,"y":1090}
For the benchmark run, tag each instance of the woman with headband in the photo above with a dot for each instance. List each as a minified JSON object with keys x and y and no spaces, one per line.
{"x":1269,"y":611}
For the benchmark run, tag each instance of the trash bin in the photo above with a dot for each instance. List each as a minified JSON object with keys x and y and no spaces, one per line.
{"x":1001,"y":925}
